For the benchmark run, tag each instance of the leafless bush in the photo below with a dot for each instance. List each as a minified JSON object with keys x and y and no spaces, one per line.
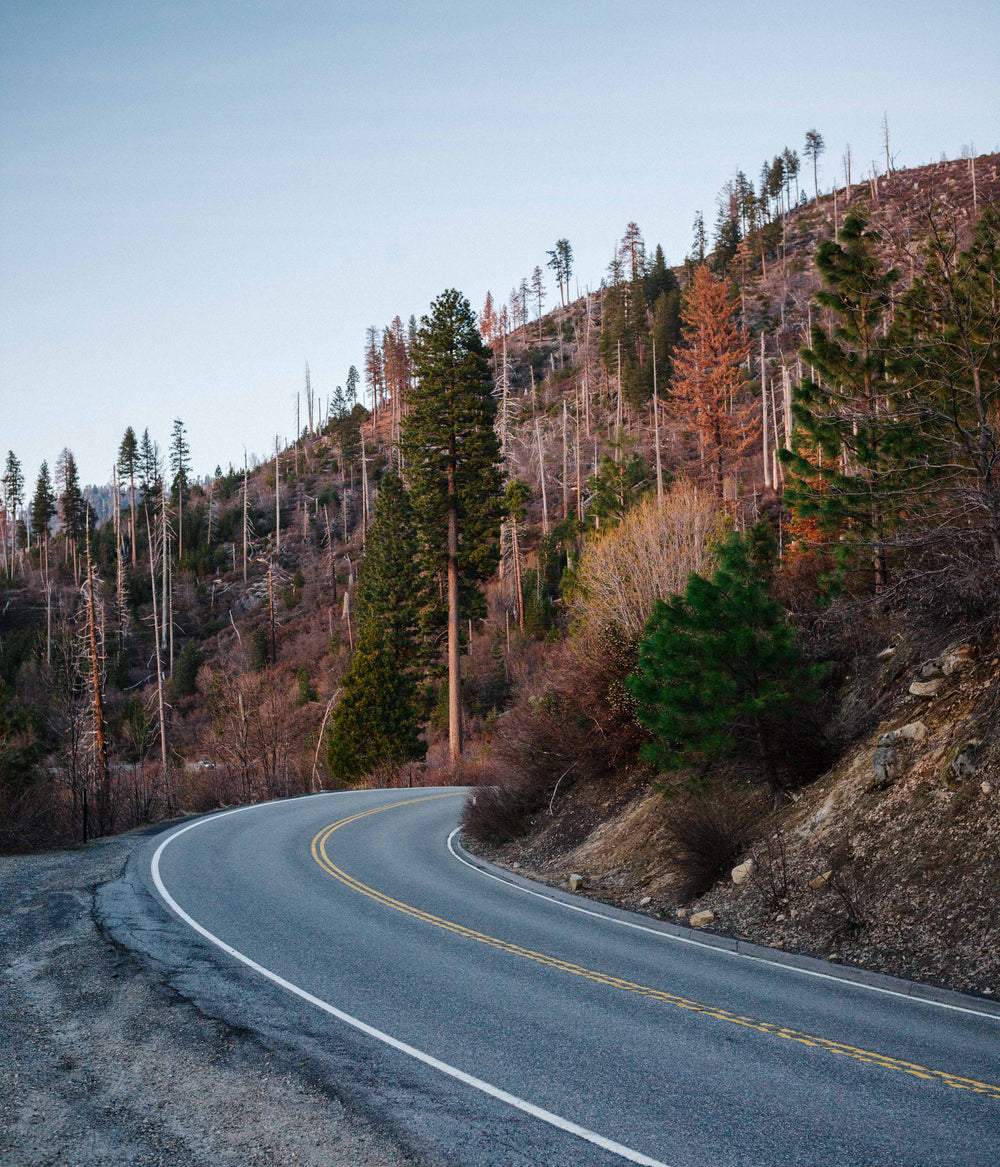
{"x":771,"y":870}
{"x":257,"y":749}
{"x":647,"y":557}
{"x":849,"y":913}
{"x":30,"y":817}
{"x":540,"y":746}
{"x":707,"y":833}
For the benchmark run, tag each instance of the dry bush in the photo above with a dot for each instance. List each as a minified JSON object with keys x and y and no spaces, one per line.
{"x":256,"y":747}
{"x":706,"y":834}
{"x":541,"y":747}
{"x":648,"y":556}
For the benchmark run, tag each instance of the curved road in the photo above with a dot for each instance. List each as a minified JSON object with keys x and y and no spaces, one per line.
{"x":487,"y":1026}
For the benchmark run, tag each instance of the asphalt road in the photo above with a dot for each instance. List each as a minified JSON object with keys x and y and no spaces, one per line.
{"x":485,"y":1026}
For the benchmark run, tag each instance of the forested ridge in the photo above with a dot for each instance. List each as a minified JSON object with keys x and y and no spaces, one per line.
{"x":667,"y":536}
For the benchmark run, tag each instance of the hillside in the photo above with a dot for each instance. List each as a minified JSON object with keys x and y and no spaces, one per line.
{"x":884,"y":860}
{"x":262,"y":627}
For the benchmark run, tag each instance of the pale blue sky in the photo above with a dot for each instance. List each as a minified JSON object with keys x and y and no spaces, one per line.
{"x":196,"y":198}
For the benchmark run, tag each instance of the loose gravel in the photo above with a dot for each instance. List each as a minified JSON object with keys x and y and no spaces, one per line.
{"x":102,"y":1063}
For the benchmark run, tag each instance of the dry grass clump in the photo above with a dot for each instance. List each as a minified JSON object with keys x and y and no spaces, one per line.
{"x":649,"y":557}
{"x":706,"y":833}
{"x":540,"y":746}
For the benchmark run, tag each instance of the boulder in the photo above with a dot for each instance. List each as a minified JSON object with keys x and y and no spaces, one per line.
{"x":820,"y":882}
{"x":742,"y":872}
{"x":964,"y":763}
{"x":575,"y":881}
{"x":915,"y":731}
{"x":886,"y":653}
{"x":887,"y":765}
{"x":700,"y":919}
{"x":645,"y":900}
{"x":927,"y":688}
{"x":957,"y":660}
{"x":931,"y":669}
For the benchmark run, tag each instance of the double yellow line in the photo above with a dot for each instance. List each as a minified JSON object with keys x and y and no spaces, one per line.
{"x":821,"y":1043}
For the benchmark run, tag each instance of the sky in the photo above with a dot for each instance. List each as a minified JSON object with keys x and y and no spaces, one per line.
{"x":199,"y":197}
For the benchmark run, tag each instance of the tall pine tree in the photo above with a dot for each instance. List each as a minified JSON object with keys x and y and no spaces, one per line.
{"x":128,"y":468}
{"x":945,"y":352}
{"x":843,"y":469}
{"x":452,"y":457}
{"x":180,"y":464}
{"x":43,"y":506}
{"x":376,"y":721}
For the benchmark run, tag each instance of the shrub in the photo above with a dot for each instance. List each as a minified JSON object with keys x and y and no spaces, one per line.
{"x":260,"y":649}
{"x":185,"y":674}
{"x":707,"y":833}
{"x":648,"y":557}
{"x":306,"y":689}
{"x":719,"y":669}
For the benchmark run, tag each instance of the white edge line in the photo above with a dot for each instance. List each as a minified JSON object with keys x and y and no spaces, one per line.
{"x":467,"y":1079}
{"x":806,"y":972}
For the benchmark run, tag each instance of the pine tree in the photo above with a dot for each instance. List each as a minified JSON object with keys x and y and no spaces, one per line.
{"x":180,"y":465}
{"x":72,"y":508}
{"x":43,"y":505}
{"x":813,"y":148}
{"x":351,"y":386}
{"x":387,"y":590}
{"x":452,"y":454}
{"x":128,"y":467}
{"x":561,"y":262}
{"x":149,"y":470}
{"x":843,"y":469}
{"x":376,"y":721}
{"x":945,"y":352}
{"x":708,"y":377}
{"x":718,"y":667}
{"x":372,"y":724}
{"x":13,"y":497}
{"x":617,"y":486}
{"x":538,"y":293}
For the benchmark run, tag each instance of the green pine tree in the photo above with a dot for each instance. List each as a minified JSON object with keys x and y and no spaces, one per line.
{"x":718,"y":668}
{"x":377,"y":720}
{"x":180,"y":465}
{"x":373,"y":722}
{"x":452,"y":457}
{"x":43,"y":504}
{"x":13,"y":497}
{"x":846,"y":457}
{"x":946,"y":356}
{"x":128,"y":468}
{"x":387,"y":585}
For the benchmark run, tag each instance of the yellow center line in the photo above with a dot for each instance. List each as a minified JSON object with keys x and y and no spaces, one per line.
{"x":834,"y":1047}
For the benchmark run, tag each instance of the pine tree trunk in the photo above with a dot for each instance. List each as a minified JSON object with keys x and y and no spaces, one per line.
{"x":454,"y":641}
{"x":656,"y":434}
{"x":131,"y":490}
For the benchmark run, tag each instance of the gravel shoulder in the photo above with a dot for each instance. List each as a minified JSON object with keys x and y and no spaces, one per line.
{"x":102,"y":1061}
